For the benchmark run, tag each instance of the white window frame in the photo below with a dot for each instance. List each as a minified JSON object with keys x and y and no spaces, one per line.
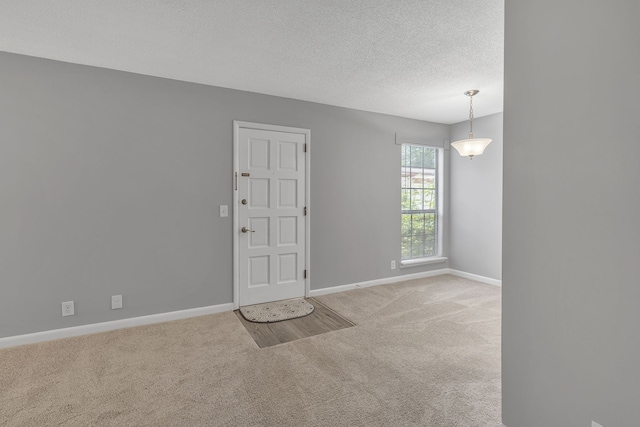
{"x":438,"y":256}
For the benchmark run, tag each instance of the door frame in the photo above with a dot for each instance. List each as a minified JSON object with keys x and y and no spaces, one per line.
{"x":237,"y":125}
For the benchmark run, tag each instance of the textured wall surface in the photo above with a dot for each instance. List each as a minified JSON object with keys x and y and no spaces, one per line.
{"x":571,"y":207}
{"x":110,"y":184}
{"x":475,"y":215}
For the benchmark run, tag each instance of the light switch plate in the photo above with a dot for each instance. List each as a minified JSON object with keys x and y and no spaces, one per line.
{"x":116,"y":302}
{"x":224,"y":211}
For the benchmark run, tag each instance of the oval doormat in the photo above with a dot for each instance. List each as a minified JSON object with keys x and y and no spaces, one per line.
{"x":277,"y":310}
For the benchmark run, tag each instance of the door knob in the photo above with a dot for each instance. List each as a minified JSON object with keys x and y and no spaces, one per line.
{"x":244,"y":201}
{"x":245,"y":229}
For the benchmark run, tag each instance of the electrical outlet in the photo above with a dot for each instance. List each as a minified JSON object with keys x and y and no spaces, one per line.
{"x":393,"y":264}
{"x":116,"y":302}
{"x":68,"y":309}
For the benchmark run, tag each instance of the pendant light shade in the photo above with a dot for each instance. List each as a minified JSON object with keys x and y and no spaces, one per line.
{"x":472,"y":146}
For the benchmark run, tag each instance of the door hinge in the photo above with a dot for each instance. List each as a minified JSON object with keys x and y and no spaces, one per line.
{"x":305,"y":274}
{"x":305,"y":147}
{"x":305,"y":211}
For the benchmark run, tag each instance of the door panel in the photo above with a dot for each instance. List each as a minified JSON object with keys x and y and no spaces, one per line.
{"x":287,"y":230}
{"x":272,"y":250}
{"x":287,"y":193}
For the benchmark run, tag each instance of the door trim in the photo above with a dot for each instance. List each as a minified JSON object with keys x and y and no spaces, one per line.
{"x":237,"y":125}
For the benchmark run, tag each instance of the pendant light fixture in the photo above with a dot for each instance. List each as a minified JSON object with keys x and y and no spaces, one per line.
{"x":472,"y":146}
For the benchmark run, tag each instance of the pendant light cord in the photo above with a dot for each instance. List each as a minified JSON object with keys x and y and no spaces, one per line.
{"x":471,"y":117}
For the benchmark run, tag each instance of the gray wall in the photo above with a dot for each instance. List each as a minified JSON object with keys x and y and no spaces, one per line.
{"x":571,"y":237}
{"x":475,"y":214}
{"x":110,"y":184}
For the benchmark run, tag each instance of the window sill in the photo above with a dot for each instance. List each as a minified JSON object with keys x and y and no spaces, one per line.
{"x":422,"y":261}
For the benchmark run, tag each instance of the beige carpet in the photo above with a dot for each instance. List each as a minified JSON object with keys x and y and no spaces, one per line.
{"x":423,"y":353}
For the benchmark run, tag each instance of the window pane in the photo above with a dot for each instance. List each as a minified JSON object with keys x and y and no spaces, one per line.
{"x":429,"y":179}
{"x":406,"y":200}
{"x":416,"y":156}
{"x":406,"y":155}
{"x":429,"y":197}
{"x":406,"y":225}
{"x":406,"y":180}
{"x":430,"y":246}
{"x":430,"y":224}
{"x":406,"y":247}
{"x":417,"y":224}
{"x":416,"y":200}
{"x":417,"y":243}
{"x":430,"y":158}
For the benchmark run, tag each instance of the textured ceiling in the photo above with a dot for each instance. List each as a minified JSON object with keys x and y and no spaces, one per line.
{"x":411,"y":58}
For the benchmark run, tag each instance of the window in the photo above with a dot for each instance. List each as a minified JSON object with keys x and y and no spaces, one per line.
{"x":420,"y":180}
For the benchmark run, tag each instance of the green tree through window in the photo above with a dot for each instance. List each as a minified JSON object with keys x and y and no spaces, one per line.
{"x":419,"y":201}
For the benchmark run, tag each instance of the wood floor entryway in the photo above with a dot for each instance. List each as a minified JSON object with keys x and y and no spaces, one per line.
{"x":323,"y":319}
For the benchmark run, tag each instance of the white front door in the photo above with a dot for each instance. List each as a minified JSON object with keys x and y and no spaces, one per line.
{"x":271,"y":229}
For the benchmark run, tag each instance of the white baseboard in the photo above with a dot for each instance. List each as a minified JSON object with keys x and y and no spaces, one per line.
{"x":377,"y":282}
{"x":403,"y":278}
{"x":111,"y":325}
{"x":200,"y":311}
{"x":487,"y":280}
